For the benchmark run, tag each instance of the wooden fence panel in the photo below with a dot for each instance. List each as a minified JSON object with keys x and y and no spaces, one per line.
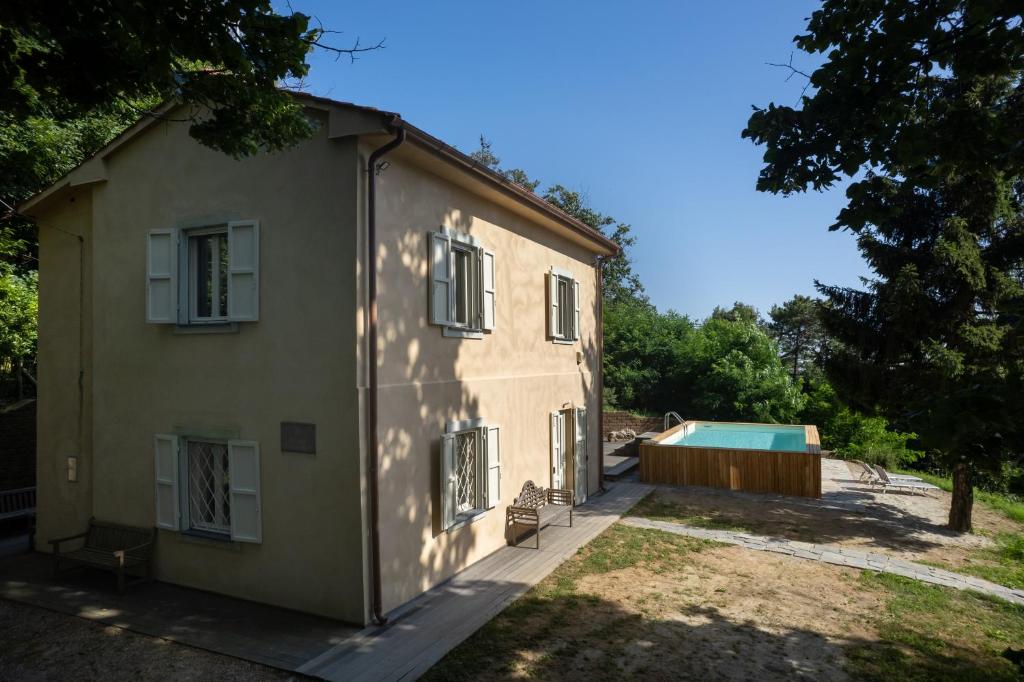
{"x":760,"y":471}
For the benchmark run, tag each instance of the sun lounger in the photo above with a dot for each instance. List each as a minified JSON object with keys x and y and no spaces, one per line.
{"x":887,"y":482}
{"x":866,"y":472}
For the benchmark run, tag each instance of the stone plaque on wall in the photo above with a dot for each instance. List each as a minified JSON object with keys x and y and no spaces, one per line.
{"x":297,"y":437}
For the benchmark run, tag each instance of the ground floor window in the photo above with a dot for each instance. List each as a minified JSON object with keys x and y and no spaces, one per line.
{"x":470,"y":471}
{"x":209,"y":486}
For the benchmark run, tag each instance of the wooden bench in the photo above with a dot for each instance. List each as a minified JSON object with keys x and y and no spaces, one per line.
{"x":537,"y":507}
{"x":109,"y":547}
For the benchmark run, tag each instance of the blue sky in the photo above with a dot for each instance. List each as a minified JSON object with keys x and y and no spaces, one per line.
{"x":637,"y":104}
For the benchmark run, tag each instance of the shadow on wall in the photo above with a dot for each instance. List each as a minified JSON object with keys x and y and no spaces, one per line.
{"x":419,"y":374}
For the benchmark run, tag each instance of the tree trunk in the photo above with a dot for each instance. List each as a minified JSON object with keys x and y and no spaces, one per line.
{"x":963,"y":498}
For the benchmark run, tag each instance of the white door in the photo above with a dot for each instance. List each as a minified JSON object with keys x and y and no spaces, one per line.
{"x":558,"y":441}
{"x":579,"y":454}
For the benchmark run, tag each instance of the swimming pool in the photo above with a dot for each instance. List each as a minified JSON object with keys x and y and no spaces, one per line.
{"x":763,"y":458}
{"x":773,"y":437}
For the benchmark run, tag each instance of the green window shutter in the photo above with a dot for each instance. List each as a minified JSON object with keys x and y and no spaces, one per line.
{"x":440,"y":279}
{"x":244,"y":489}
{"x":576,"y":310}
{"x":244,"y":271}
{"x":487,"y":278}
{"x":581,"y":455}
{"x":162,"y":277}
{"x":447,"y":488}
{"x":165,"y":448}
{"x":492,"y":447}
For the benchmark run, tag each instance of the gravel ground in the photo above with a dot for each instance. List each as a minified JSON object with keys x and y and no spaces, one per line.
{"x":36,"y":644}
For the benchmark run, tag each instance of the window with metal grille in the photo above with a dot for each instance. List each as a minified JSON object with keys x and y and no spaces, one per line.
{"x":209,"y":489}
{"x":467,"y":489}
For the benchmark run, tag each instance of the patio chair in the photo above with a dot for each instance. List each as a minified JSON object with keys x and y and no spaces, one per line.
{"x":869,"y":473}
{"x":888,"y":482}
{"x":861,"y":470}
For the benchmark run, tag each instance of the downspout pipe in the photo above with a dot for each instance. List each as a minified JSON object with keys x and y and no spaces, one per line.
{"x":600,"y":365}
{"x":371,"y":403}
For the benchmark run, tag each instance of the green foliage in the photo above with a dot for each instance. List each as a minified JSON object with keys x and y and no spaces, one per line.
{"x":735,"y":374}
{"x":796,"y":327}
{"x":725,"y":370}
{"x":739,"y":312}
{"x":19,"y":310}
{"x":854,"y":435}
{"x":223,"y":60}
{"x":920,"y":102}
{"x":621,"y":284}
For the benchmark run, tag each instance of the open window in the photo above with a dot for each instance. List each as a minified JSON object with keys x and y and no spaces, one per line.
{"x":470,"y":472}
{"x":563,"y":306}
{"x":203,"y":275}
{"x":463,"y":292}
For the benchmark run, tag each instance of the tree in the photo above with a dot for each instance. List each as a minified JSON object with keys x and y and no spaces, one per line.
{"x":620,"y":282}
{"x":735,"y":374}
{"x":223,"y":60}
{"x":485,"y":156}
{"x":18,"y":314}
{"x":921,"y":103}
{"x":796,"y":327}
{"x":739,"y":312}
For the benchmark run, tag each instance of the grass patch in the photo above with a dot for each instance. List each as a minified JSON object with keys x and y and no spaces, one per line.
{"x":934,"y":634}
{"x":522,"y":640}
{"x":1008,"y":505}
{"x":655,"y":507}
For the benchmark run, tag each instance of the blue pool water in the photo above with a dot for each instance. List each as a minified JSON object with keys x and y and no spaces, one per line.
{"x":778,"y":437}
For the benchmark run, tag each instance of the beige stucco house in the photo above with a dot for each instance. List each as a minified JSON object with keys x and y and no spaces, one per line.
{"x":204,"y":335}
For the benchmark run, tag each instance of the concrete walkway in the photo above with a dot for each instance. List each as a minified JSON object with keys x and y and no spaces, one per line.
{"x":833,"y":554}
{"x":420,"y":633}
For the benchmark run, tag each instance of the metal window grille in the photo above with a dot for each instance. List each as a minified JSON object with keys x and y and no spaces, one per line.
{"x":209,"y":487}
{"x":467,"y":446}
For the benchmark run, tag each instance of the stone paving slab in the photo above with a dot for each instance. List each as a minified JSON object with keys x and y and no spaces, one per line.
{"x":839,"y":556}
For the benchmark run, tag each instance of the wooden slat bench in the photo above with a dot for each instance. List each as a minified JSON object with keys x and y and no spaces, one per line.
{"x":538,"y":507}
{"x":110,"y":547}
{"x":17,"y":503}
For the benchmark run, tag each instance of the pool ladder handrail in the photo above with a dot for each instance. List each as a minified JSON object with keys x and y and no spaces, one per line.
{"x":669,"y":415}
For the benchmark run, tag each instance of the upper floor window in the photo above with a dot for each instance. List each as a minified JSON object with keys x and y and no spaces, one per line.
{"x":462,"y":294}
{"x":564,"y":306}
{"x":203,"y":275}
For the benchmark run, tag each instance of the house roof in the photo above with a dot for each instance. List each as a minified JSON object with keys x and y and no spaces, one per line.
{"x":92,"y":170}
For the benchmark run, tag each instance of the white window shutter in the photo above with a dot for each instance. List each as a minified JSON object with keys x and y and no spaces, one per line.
{"x":244,"y":271}
{"x":162,"y":277}
{"x":440,"y":279}
{"x":576,"y":310}
{"x":487,"y":277}
{"x":447,"y":490}
{"x":553,"y":311}
{"x":492,"y":444}
{"x":580,"y":455}
{"x":244,"y":477}
{"x":165,"y":448}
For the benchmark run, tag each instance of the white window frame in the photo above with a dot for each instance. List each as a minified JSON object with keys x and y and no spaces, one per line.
{"x":189,"y":257}
{"x":171,"y":273}
{"x":563,"y":313}
{"x":477,"y":291}
{"x":187,"y":524}
{"x":487,"y":472}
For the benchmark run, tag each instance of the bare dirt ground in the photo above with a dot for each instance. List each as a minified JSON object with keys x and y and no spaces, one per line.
{"x":850,"y":513}
{"x":42,"y":645}
{"x":740,"y":616}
